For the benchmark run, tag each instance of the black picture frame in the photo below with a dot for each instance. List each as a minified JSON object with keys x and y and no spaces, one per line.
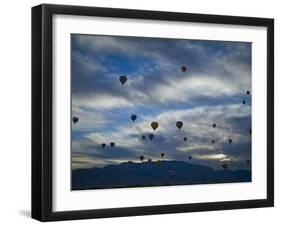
{"x":42,"y":111}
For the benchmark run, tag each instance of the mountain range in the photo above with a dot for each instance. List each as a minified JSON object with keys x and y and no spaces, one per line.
{"x":132,"y":174}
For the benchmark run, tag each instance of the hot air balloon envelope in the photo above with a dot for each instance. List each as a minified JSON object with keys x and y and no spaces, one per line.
{"x":154,"y":125}
{"x":183,"y":68}
{"x":179,"y":124}
{"x":151,"y":136}
{"x":103,"y":145}
{"x":224,"y":166}
{"x":141,"y":157}
{"x":75,"y":119}
{"x":112,"y":144}
{"x":133,"y":117}
{"x":123,"y":79}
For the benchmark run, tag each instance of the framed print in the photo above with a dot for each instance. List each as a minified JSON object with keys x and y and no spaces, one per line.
{"x":146,"y":112}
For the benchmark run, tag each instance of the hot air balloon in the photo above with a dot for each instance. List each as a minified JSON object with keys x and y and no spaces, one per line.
{"x":185,"y":138}
{"x":214,"y":125}
{"x":179,"y":124}
{"x":103,"y":145}
{"x":151,"y":136}
{"x":133,"y":117}
{"x":224,"y":166}
{"x":162,"y":155}
{"x":143,"y":137}
{"x":112,"y":144}
{"x":75,"y":119}
{"x":141,"y":158}
{"x":213,"y":141}
{"x":183,"y":68}
{"x":250,"y":131}
{"x":248,"y":92}
{"x":230,"y":141}
{"x":190,"y":157}
{"x":243,"y":102}
{"x":154,"y":125}
{"x":123,"y":79}
{"x":149,"y":160}
{"x":248,"y":161}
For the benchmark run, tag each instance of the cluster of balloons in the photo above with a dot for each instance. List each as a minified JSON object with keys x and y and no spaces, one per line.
{"x":112,"y":144}
{"x":248,"y":93}
{"x":123,"y":79}
{"x":154,"y":125}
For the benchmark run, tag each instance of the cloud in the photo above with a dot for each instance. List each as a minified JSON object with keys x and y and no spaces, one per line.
{"x":211,"y":91}
{"x":197,"y":128}
{"x":155,"y":77}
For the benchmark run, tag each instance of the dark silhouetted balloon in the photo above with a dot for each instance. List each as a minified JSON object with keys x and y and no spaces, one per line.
{"x":162,"y":155}
{"x":250,"y":131}
{"x":213,"y":141}
{"x":133,"y":117}
{"x":230,"y":141}
{"x":154,"y":125}
{"x":190,"y":157}
{"x":103,"y":145}
{"x":248,"y":161}
{"x":243,"y":102}
{"x":123,"y":79}
{"x":141,"y":157}
{"x":151,"y":136}
{"x":75,"y":119}
{"x":183,"y":68}
{"x":214,"y":125}
{"x":248,"y":92}
{"x":112,"y":144}
{"x":224,"y":166}
{"x":185,"y":138}
{"x":143,"y":137}
{"x":149,"y":160}
{"x":179,"y":124}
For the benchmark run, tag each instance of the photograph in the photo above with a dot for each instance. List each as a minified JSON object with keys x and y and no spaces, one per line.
{"x":150,"y":111}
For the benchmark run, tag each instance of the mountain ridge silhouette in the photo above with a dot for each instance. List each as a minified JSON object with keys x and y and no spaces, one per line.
{"x":159,"y":173}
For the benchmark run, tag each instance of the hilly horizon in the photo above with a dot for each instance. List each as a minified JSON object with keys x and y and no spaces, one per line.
{"x":158,"y":173}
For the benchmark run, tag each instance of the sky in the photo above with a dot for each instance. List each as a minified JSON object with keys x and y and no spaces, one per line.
{"x":211,"y":91}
